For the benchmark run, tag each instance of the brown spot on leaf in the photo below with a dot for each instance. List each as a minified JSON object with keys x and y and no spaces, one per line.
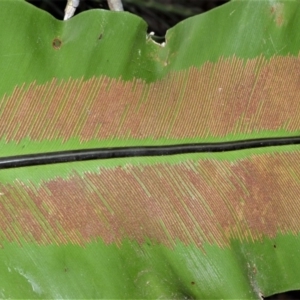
{"x":56,"y":43}
{"x":278,"y":11}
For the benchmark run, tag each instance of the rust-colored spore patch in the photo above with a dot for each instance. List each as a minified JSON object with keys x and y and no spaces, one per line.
{"x":56,"y":43}
{"x":229,"y":97}
{"x":196,"y":202}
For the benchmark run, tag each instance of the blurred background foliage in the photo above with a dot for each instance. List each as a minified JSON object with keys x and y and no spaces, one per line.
{"x":159,"y":14}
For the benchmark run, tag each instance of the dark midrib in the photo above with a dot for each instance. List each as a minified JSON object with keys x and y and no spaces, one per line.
{"x":107,"y":153}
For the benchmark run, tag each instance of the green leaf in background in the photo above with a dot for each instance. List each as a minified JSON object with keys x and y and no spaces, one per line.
{"x":203,"y":225}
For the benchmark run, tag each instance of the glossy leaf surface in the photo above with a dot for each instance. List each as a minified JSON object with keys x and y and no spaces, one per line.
{"x":203,"y":225}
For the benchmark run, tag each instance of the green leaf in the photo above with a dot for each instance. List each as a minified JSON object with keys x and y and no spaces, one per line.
{"x":203,"y":225}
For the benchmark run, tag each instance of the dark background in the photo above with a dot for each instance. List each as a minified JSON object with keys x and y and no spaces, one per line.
{"x":160,"y":16}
